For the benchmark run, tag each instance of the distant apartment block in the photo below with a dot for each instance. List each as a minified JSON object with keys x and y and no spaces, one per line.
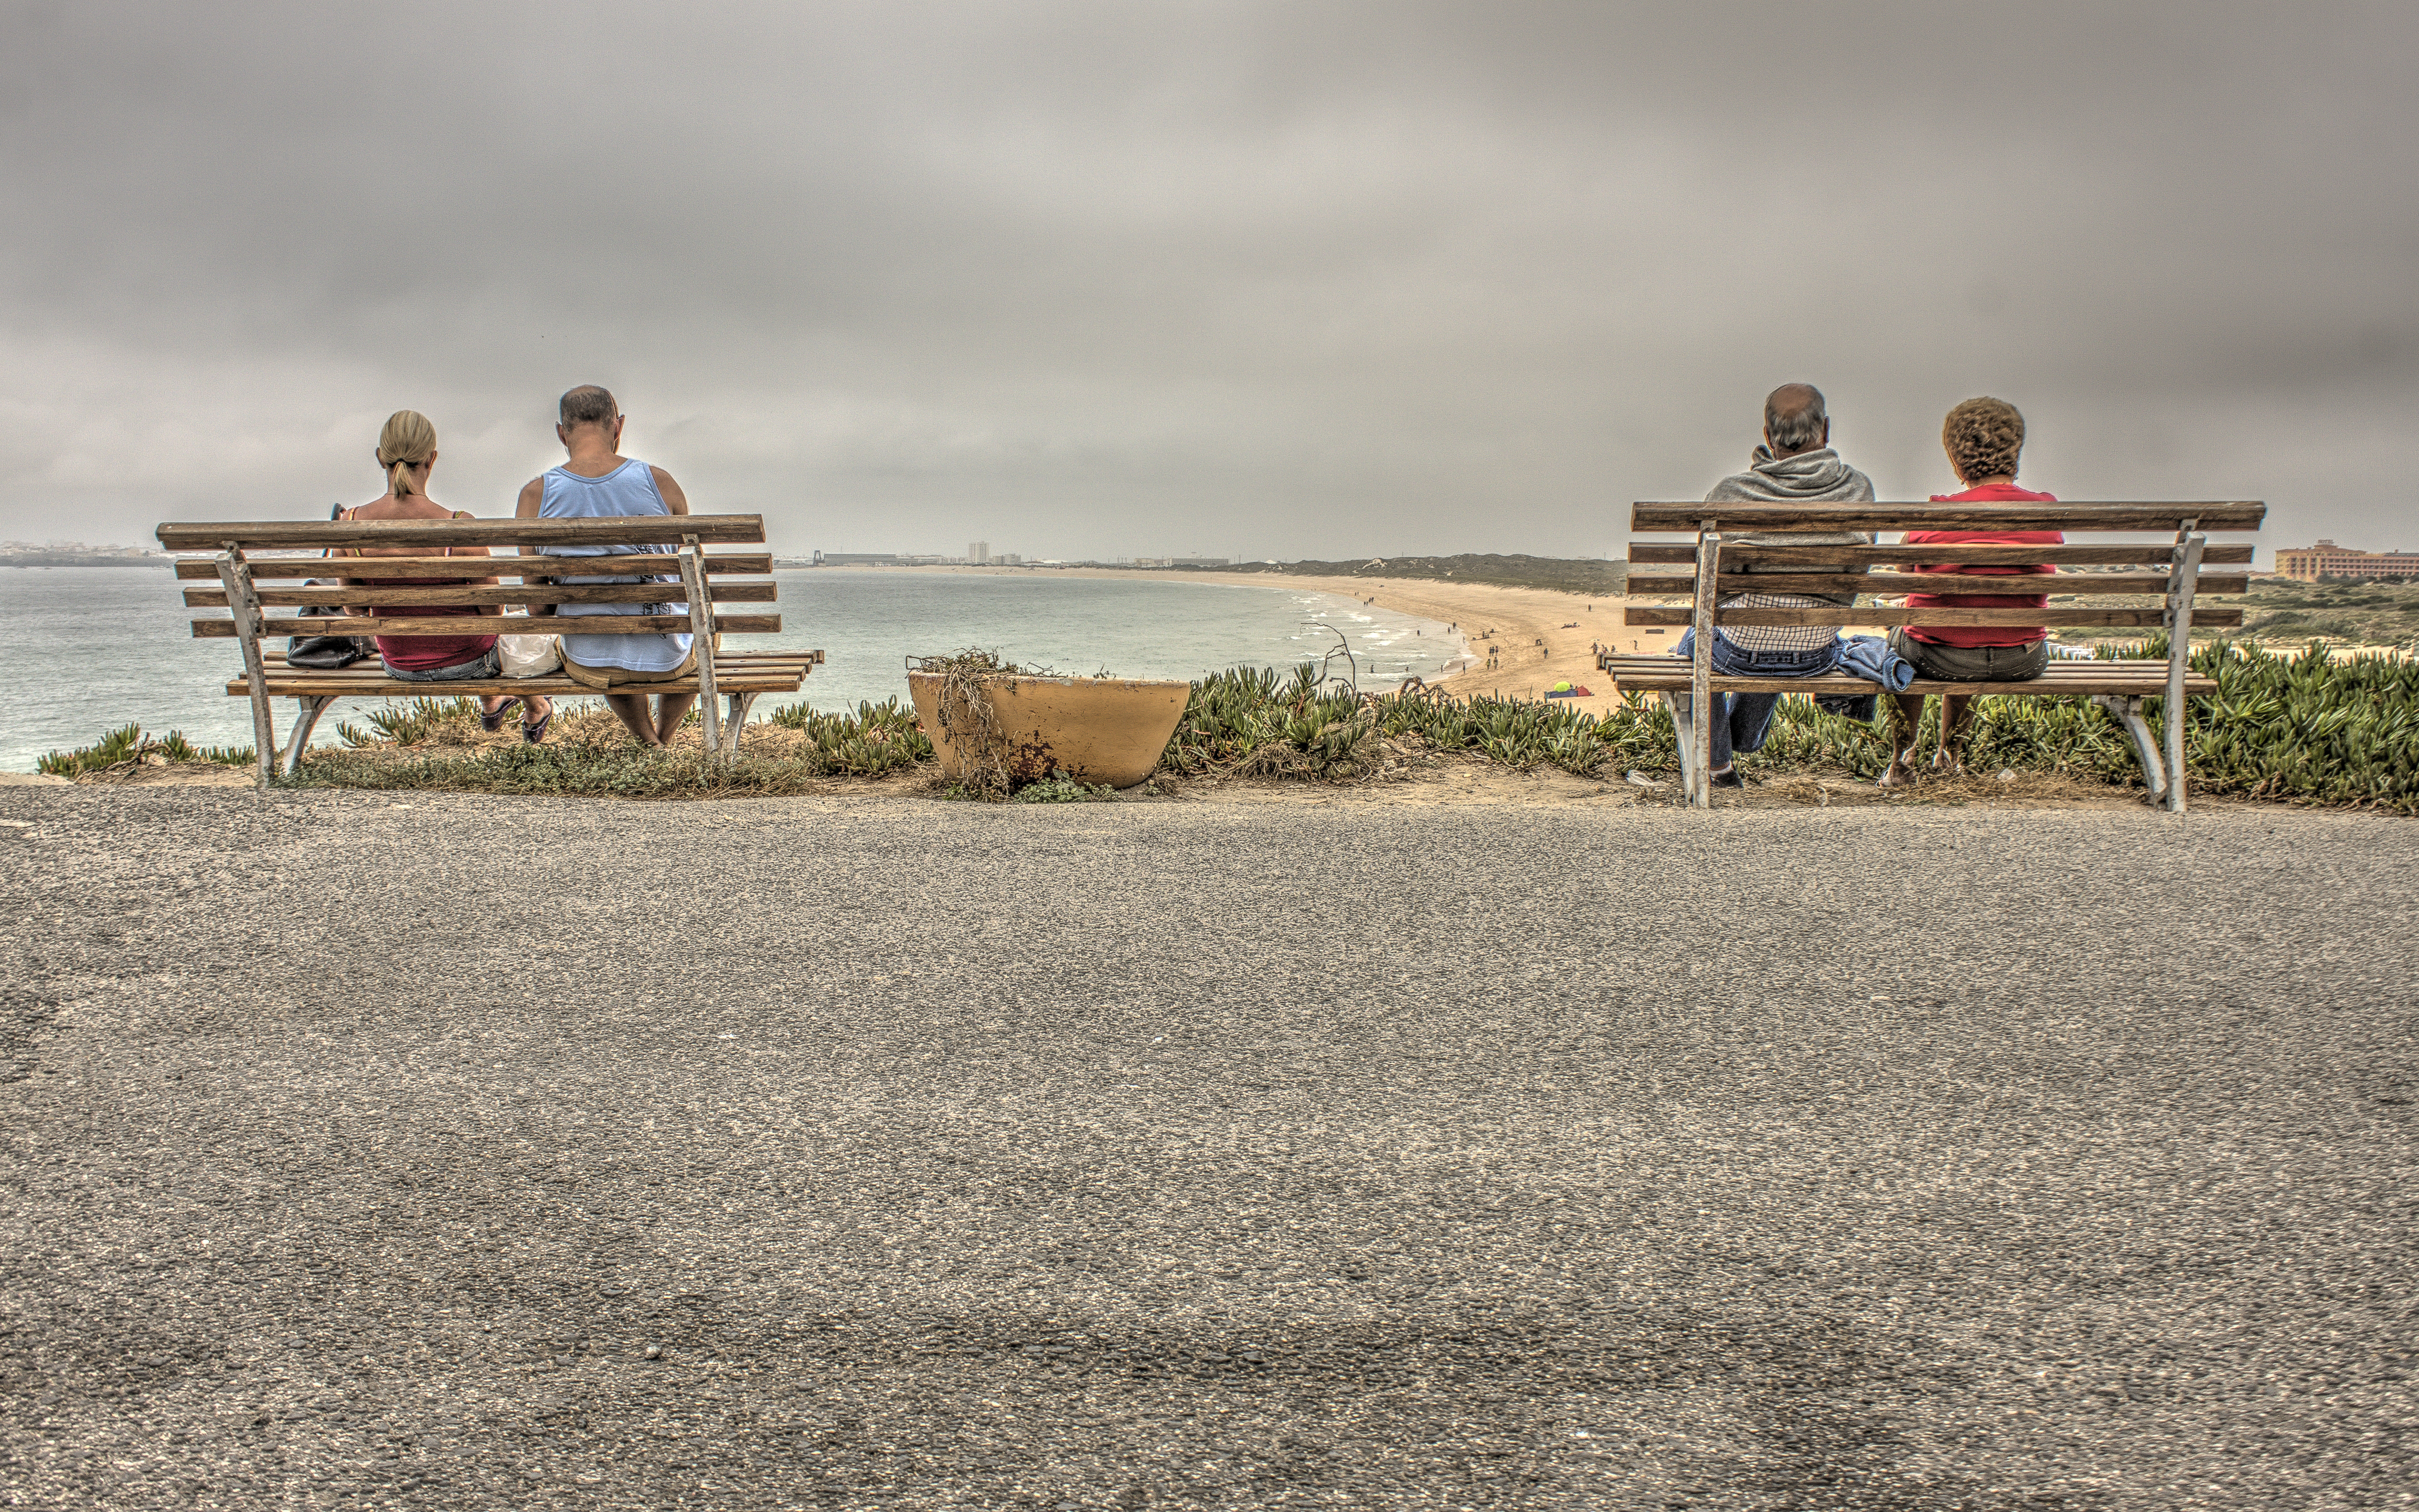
{"x":977,"y":552}
{"x":2308,"y":563}
{"x":854,"y":559}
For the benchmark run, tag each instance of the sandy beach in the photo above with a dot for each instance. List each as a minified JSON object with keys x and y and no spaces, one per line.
{"x":1541,"y":637}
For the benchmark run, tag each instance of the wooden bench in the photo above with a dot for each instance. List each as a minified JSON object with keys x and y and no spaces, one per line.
{"x":2172,"y":569}
{"x":252,"y":585}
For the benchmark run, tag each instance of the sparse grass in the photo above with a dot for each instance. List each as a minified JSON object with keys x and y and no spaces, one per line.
{"x":409,"y":724}
{"x":2303,"y":728}
{"x":129,"y":743}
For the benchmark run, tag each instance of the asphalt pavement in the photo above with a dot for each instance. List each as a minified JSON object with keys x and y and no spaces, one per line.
{"x":361,"y":1150}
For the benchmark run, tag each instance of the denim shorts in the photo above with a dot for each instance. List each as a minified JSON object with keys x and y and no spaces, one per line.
{"x":1971,"y":664}
{"x":482,"y":665}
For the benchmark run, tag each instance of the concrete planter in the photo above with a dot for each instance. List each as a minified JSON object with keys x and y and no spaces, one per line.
{"x":1094,"y":728}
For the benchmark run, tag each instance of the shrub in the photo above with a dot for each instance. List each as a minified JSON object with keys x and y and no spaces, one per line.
{"x":127,"y":744}
{"x":875,"y":739}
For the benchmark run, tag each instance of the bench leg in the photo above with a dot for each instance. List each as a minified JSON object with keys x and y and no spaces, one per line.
{"x":1678,"y":705}
{"x":2128,"y":712}
{"x":736,"y":721}
{"x":305,"y":721}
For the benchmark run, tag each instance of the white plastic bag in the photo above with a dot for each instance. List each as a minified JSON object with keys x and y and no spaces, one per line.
{"x":528,"y":655}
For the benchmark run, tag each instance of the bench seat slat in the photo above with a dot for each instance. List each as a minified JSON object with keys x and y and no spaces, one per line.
{"x":598,"y":624}
{"x":1644,"y":553}
{"x":2046,"y":618}
{"x":553,"y":685}
{"x":1646,"y":673}
{"x":2095,"y":514}
{"x":1891,"y":583}
{"x":554,"y":593}
{"x":755,"y":671}
{"x":204,"y":569}
{"x":628,"y":530}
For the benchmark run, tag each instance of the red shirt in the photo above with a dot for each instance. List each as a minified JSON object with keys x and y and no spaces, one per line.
{"x":1982,"y":635}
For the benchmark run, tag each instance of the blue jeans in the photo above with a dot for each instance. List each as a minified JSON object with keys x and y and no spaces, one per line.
{"x":1743,"y":721}
{"x":485,"y":665}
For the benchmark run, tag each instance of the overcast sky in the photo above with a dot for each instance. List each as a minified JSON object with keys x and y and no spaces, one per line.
{"x":1128,"y":278}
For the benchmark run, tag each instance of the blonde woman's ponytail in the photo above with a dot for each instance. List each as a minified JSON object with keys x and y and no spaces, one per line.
{"x":408,"y":442}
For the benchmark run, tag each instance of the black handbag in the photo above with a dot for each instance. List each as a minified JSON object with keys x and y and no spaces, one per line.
{"x":326,"y":653}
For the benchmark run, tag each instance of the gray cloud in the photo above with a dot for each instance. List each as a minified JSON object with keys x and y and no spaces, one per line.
{"x":1288,"y":279}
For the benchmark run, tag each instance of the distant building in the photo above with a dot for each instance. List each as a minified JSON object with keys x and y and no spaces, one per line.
{"x":1199,"y":561}
{"x":978,"y":553}
{"x":854,"y":559}
{"x":2308,"y":563}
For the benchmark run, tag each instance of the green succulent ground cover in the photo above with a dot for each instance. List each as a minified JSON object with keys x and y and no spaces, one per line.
{"x":2295,"y":727}
{"x":127,"y":743}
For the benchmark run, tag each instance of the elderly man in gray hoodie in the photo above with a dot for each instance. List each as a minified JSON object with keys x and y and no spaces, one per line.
{"x":1796,"y":465}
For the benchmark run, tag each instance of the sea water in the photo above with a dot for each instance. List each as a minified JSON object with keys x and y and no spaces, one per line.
{"x":84,"y":650}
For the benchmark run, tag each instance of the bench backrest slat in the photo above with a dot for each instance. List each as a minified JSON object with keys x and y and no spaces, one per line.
{"x":1887,"y":583}
{"x":591,"y":624}
{"x":743,"y":593}
{"x":1843,"y":568}
{"x":205,"y":568}
{"x":288,"y":535}
{"x":520,"y":578}
{"x":2048,"y":618}
{"x":1876,"y":556}
{"x":2090,"y":516}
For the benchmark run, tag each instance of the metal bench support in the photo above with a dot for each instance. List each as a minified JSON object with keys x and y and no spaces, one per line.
{"x":2127,"y":711}
{"x":2178,"y":617}
{"x":1696,"y":767}
{"x":305,"y":720}
{"x":1678,"y":705}
{"x":236,"y":578}
{"x":700,"y":633}
{"x":736,"y":721}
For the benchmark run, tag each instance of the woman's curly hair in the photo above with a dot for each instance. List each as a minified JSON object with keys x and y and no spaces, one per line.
{"x":1983,"y":438}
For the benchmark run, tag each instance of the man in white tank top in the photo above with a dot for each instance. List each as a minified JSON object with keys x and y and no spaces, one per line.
{"x":598,"y":482}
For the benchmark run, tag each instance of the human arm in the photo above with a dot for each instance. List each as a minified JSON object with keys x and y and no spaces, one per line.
{"x":531,"y":500}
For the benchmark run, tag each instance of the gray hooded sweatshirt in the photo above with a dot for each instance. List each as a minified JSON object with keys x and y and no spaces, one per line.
{"x":1816,"y":477}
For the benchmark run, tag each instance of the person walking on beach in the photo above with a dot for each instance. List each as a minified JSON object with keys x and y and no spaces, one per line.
{"x":1983,"y":438}
{"x":597,"y":482}
{"x":406,"y":449}
{"x":1796,"y":465}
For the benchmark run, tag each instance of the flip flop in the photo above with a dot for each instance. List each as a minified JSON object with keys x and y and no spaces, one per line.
{"x":491,"y":723}
{"x":534,"y":733}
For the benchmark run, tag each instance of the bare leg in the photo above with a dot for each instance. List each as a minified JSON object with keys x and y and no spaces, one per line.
{"x":1906,"y":718}
{"x":492,"y":705}
{"x":1956,"y":723}
{"x":536,"y":708}
{"x":631,"y":709}
{"x":671,"y":710}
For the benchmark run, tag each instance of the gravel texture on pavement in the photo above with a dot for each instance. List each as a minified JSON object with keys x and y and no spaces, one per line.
{"x":381,"y":1151}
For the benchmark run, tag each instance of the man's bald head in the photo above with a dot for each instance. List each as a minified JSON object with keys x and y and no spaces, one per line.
{"x":1794,"y":420}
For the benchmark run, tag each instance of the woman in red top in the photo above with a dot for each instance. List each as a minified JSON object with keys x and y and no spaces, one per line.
{"x":407,"y":450}
{"x":1983,"y":438}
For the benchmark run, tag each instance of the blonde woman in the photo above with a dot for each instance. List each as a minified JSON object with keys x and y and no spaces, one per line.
{"x":406,"y":449}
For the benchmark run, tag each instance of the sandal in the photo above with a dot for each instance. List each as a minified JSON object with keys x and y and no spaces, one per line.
{"x":533,"y":733}
{"x":494,"y":722}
